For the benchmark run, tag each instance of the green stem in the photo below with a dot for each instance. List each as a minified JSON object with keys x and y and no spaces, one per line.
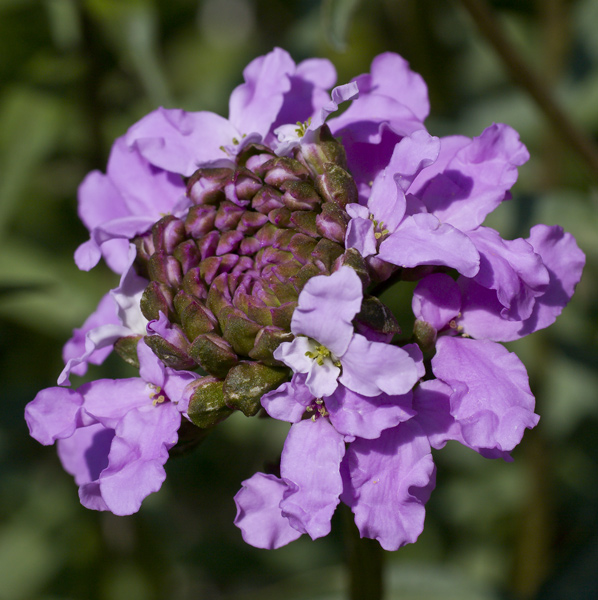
{"x":364,"y":561}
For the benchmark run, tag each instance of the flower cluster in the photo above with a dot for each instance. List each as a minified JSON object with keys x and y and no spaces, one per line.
{"x":250,"y":250}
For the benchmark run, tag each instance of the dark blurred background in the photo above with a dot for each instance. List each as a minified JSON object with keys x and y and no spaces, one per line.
{"x":76,"y":74}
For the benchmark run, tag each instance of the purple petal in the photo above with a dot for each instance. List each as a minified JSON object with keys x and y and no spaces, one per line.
{"x":289,"y":401}
{"x":178,"y":141}
{"x":366,"y":417}
{"x":327,"y":305}
{"x":564,"y":261}
{"x":413,"y":154}
{"x":146,"y":190}
{"x":310,"y":466}
{"x":387,"y":483}
{"x":370,"y":368}
{"x":491,"y":398}
{"x":482,"y":312}
{"x":254,"y":105}
{"x":104,"y":314}
{"x":477,"y":178}
{"x":95,"y":340}
{"x":432,"y":401}
{"x":436,"y":300}
{"x":109,"y":400}
{"x":361,"y":236}
{"x":258,"y":513}
{"x":513,"y":269}
{"x":137,"y":455}
{"x":85,"y":454}
{"x":340,"y":94}
{"x":423,"y":240}
{"x":53,"y":414}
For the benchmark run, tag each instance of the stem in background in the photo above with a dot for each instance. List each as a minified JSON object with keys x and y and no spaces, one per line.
{"x":364,"y":562}
{"x":523,"y":75}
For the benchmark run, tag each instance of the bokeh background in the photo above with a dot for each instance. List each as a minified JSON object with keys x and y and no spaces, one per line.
{"x":74,"y":75}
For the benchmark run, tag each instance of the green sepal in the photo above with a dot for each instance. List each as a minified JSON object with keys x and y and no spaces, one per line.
{"x":156,"y":298}
{"x":424,"y":335}
{"x":266,"y":341}
{"x":169,"y":354}
{"x":352,"y":258}
{"x":195,"y":318}
{"x":214,"y":354}
{"x":246,"y":383}
{"x":305,"y":222}
{"x":377,"y":316}
{"x":327,"y":251}
{"x":300,"y":195}
{"x":336,"y":185}
{"x":126,"y":348}
{"x":207,"y":407}
{"x":238,"y":330}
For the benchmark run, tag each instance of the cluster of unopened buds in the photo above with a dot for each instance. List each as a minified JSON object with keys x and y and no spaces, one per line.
{"x":251,"y":251}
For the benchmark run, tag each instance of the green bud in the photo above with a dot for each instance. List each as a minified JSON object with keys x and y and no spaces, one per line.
{"x":246,"y":383}
{"x":424,"y":336}
{"x":213,"y":354}
{"x":126,"y":348}
{"x":206,"y":406}
{"x":377,"y":316}
{"x":266,"y":341}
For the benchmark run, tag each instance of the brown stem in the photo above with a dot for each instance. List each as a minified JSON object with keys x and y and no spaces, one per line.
{"x":523,"y":75}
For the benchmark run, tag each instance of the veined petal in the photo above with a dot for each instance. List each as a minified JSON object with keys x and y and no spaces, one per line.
{"x":423,"y":240}
{"x":366,"y":417}
{"x":387,"y":482}
{"x":370,"y":368}
{"x":254,"y":105}
{"x":310,"y":465}
{"x":137,"y":455}
{"x":327,"y":305}
{"x":180,"y":141}
{"x":85,"y":453}
{"x":258,"y":513}
{"x":53,"y":414}
{"x":289,"y":401}
{"x":497,"y":405}
{"x":436,"y":300}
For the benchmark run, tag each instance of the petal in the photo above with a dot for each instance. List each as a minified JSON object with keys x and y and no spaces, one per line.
{"x":491,"y":398}
{"x":432,"y":401}
{"x":146,"y":190}
{"x":477,"y":178}
{"x":95,"y":340}
{"x":370,"y":368}
{"x":288,"y":401}
{"x":104,"y":314}
{"x":387,"y":483}
{"x":258,"y":513}
{"x":53,"y":414}
{"x":85,"y":454}
{"x":254,"y":105}
{"x":513,"y":269}
{"x":109,"y":400}
{"x":436,"y":300}
{"x":366,"y":417}
{"x":361,"y":236}
{"x":179,"y":141}
{"x":137,"y":455}
{"x":99,"y":200}
{"x":294,"y":354}
{"x":310,"y":466}
{"x":327,"y":305}
{"x":322,"y":379}
{"x":423,"y":240}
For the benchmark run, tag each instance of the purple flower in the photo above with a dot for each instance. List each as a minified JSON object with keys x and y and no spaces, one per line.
{"x":114,"y":435}
{"x":276,"y":92}
{"x":125,"y":202}
{"x":118,"y":315}
{"x":328,"y":350}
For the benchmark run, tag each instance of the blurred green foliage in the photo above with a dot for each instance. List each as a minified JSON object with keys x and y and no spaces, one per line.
{"x":74,"y":75}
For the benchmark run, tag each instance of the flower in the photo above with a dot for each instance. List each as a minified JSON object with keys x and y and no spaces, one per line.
{"x":251,"y":249}
{"x":114,"y":435}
